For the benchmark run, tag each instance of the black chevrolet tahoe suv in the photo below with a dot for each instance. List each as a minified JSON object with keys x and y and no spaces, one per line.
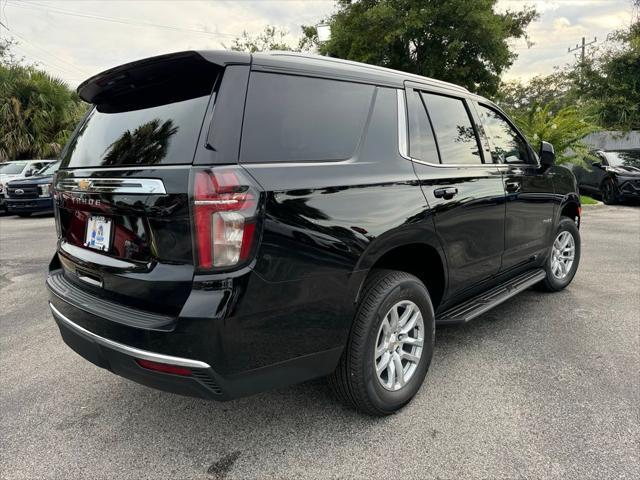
{"x":229,"y":223}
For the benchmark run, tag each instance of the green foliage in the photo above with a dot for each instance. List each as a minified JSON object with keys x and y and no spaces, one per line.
{"x":564,"y":129}
{"x":460,"y":41}
{"x":584,"y":200}
{"x":271,"y":38}
{"x":605,"y":87}
{"x":514,"y":96}
{"x":612,"y":81}
{"x":37,"y":113}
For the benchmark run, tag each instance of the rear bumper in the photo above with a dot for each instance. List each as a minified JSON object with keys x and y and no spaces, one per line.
{"x":114,"y":337}
{"x":29,"y":205}
{"x":121,"y":360}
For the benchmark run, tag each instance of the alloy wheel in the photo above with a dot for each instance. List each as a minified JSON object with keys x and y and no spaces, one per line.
{"x":399,"y":345}
{"x":563,"y":255}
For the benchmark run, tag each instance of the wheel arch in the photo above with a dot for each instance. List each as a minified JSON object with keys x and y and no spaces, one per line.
{"x":425,"y":260}
{"x":570,"y":207}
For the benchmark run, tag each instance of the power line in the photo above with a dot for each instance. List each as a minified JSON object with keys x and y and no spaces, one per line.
{"x":50,"y":64}
{"x":78,"y":70}
{"x":74,"y":13}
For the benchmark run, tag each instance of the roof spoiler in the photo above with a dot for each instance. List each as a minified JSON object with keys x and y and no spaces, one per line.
{"x":126,"y":78}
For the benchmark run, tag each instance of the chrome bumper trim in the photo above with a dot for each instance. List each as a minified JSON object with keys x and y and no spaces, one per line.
{"x":127,"y":350}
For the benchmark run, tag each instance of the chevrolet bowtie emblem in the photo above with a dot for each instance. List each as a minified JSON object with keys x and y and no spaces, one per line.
{"x":84,"y":184}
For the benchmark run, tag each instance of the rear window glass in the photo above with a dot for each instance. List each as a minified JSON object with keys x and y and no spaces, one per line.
{"x":453,"y":128}
{"x":297,"y":119}
{"x":422,"y":144}
{"x":158,"y":135}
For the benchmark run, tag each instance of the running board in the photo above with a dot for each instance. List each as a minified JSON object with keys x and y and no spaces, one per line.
{"x":484,"y":302}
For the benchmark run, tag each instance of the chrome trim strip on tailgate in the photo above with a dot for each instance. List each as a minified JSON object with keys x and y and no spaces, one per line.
{"x":130,"y":186}
{"x":127,"y":350}
{"x":87,"y":255}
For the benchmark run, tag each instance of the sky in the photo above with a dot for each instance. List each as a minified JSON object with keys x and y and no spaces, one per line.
{"x":75,"y":39}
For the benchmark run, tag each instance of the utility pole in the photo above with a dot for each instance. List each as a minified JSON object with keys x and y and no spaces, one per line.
{"x":582,"y":47}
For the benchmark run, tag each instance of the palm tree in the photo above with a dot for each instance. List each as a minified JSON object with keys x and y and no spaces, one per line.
{"x":564,"y":128}
{"x":147,"y":145}
{"x":38,"y":112}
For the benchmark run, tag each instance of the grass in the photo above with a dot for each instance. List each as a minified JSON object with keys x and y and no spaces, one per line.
{"x":584,"y":200}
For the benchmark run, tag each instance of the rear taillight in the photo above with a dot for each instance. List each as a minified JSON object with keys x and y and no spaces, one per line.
{"x":224,"y":210}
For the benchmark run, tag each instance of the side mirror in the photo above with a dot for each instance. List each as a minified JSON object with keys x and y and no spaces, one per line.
{"x":596,"y":164}
{"x":547,"y":155}
{"x":28,"y":173}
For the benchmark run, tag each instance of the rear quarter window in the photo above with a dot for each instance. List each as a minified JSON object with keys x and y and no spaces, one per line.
{"x":300,"y":119}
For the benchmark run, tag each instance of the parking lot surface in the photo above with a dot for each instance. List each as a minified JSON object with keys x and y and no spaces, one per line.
{"x":544,"y":386}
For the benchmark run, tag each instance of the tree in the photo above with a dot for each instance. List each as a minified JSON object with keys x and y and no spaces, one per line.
{"x":37,"y":111}
{"x":461,"y":41}
{"x":605,"y":86}
{"x":564,"y":128}
{"x":611,"y":81}
{"x":274,"y":38}
{"x":271,"y":38}
{"x":515,"y":96}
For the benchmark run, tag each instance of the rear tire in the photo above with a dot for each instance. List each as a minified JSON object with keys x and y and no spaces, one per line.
{"x":609,"y":192}
{"x":559,"y":272}
{"x":376,"y":328}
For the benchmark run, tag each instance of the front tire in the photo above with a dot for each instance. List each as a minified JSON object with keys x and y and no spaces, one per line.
{"x":390,"y":345}
{"x":564,"y":257}
{"x":609,"y":192}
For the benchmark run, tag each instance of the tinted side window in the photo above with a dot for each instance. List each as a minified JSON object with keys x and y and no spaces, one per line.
{"x":506,"y":145}
{"x":296,"y":119}
{"x":454,"y":131}
{"x":422,"y":144}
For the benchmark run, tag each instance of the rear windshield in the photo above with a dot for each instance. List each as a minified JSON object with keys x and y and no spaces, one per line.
{"x":159,"y":135}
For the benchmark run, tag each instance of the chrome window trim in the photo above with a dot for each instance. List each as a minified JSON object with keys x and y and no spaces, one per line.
{"x":126,"y":349}
{"x":403,"y":140}
{"x":126,"y":169}
{"x":403,"y":137}
{"x":112,"y":185}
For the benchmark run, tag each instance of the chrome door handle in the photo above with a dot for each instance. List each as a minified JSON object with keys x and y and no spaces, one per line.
{"x":513,"y":187}
{"x":446,"y":193}
{"x":517,"y":171}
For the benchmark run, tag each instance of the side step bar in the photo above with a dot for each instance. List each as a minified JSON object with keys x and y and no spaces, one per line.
{"x":484,"y":302}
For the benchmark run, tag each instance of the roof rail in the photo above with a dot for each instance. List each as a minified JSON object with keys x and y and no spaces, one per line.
{"x":408,"y":76}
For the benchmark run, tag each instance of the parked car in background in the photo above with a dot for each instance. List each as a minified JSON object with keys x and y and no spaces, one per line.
{"x":229,"y":223}
{"x":18,"y":169}
{"x":615,"y":177}
{"x":32,"y":195}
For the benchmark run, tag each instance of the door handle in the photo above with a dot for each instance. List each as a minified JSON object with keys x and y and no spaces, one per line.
{"x":446,"y":193}
{"x":513,"y":187}
{"x":517,"y":171}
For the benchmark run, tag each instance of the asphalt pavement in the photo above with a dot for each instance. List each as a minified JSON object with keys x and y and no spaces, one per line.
{"x":543,"y":386}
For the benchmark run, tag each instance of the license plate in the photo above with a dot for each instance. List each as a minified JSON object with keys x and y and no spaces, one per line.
{"x":98,"y":233}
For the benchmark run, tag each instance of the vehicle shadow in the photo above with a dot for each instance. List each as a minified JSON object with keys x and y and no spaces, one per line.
{"x":303,"y":419}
